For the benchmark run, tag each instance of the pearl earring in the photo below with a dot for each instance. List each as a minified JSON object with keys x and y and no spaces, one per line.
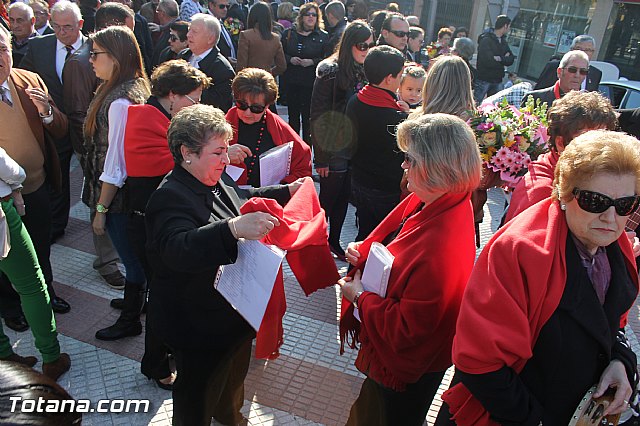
{"x":187,"y":161}
{"x":563,"y":206}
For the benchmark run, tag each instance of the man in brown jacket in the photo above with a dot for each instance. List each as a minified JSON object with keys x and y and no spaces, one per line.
{"x":30,"y":121}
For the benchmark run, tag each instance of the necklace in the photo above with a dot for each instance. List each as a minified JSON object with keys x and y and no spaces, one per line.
{"x":257,"y":148}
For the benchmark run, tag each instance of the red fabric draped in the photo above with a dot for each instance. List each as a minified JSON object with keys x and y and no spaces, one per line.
{"x":146,"y":150}
{"x":525,"y":278}
{"x":410,"y":331}
{"x":281,"y":133}
{"x":303,"y":233}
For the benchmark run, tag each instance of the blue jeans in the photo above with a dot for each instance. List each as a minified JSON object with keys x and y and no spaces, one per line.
{"x":117,"y":229}
{"x":483,"y":88}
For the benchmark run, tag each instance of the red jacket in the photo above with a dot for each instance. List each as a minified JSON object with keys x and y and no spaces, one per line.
{"x":410,"y":331}
{"x":281,"y":133}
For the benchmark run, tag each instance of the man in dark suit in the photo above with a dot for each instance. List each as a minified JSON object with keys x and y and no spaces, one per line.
{"x":202,"y":53}
{"x":167,"y":13}
{"x":549,"y":76}
{"x":571,"y":72}
{"x":46,"y":57}
{"x":41,"y":12}
{"x":32,"y":116}
{"x":226,"y":44}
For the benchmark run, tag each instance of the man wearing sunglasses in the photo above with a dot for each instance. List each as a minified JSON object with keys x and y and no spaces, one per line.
{"x":549,"y":76}
{"x":226,"y":44}
{"x":571,"y":72}
{"x":395,"y":32}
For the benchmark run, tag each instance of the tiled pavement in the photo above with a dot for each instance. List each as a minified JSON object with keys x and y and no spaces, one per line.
{"x":310,"y":383}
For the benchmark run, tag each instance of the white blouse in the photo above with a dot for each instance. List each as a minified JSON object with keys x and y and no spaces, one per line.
{"x":115,"y":168}
{"x":11,"y":174}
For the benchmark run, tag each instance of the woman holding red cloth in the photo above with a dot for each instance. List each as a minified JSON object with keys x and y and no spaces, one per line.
{"x":406,"y":336}
{"x":541,"y":319}
{"x":256,"y":129}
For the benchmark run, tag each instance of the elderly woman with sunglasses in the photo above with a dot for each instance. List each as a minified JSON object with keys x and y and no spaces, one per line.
{"x":338,"y":78}
{"x":256,"y":129}
{"x":542,"y":317}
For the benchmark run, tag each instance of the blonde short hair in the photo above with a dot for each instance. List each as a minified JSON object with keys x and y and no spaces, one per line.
{"x":592,"y":153}
{"x":445,"y":152}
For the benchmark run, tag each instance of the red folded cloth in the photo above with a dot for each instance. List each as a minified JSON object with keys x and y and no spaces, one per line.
{"x":303,"y":234}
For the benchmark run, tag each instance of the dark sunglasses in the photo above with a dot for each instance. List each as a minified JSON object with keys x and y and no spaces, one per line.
{"x":364,"y":46}
{"x":594,"y":202}
{"x":313,"y":15}
{"x":173,"y":37}
{"x":94,"y":54}
{"x":256,"y":109}
{"x":224,"y":6}
{"x":573,"y":70}
{"x":400,"y":34}
{"x":409,"y":159}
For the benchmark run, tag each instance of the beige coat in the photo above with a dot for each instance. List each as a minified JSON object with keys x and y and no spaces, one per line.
{"x":254,"y":52}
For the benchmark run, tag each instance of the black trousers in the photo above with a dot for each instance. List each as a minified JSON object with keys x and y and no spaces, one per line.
{"x":335,"y":191}
{"x":299,"y":104}
{"x":210,"y":384}
{"x":61,"y":200}
{"x":372,"y":206}
{"x":37,"y":220}
{"x":380,"y":406}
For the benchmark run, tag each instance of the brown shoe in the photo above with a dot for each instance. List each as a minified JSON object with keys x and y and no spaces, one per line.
{"x":58,"y":367}
{"x":29,"y":361}
{"x":115,"y":280}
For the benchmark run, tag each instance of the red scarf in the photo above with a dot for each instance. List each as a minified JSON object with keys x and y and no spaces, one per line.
{"x":525,"y":278}
{"x":378,"y":97}
{"x":281,"y":133}
{"x":556,"y":90}
{"x":146,"y":151}
{"x":303,"y":233}
{"x":4,"y":14}
{"x":410,"y":331}
{"x":535,"y":186}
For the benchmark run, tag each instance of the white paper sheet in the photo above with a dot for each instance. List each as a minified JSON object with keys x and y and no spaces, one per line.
{"x":275,"y":164}
{"x":247,"y":284}
{"x":234,"y":172}
{"x":375,"y":276}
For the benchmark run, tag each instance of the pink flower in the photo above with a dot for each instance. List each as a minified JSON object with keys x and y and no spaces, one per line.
{"x":483,"y":127}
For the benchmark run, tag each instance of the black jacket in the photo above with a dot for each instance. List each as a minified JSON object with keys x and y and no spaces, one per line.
{"x":545,"y":95}
{"x":335,"y":34}
{"x":630,"y":121}
{"x":549,"y":76}
{"x":489,"y":46}
{"x":216,"y":66}
{"x":188,"y":238}
{"x":314,"y":46}
{"x":376,"y":160}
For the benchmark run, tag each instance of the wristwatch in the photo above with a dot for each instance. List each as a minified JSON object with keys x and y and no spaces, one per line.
{"x":356,"y":298}
{"x":48,"y":114}
{"x":100,"y":208}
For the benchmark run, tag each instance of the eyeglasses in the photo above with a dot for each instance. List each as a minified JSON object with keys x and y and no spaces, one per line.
{"x":41,"y":13}
{"x":409,"y":159}
{"x":94,"y":54}
{"x":174,"y":37}
{"x":400,"y":34}
{"x":311,"y":14}
{"x":594,"y":202}
{"x":193,"y":101}
{"x":64,"y":28}
{"x":573,"y":70}
{"x":256,"y":109}
{"x":364,"y":46}
{"x":588,"y":50}
{"x":224,"y":6}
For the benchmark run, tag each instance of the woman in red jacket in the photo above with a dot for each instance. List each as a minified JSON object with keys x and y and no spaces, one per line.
{"x":406,"y":335}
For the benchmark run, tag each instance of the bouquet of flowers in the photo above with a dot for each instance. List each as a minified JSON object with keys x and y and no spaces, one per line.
{"x":234,"y":26}
{"x":510,"y":138}
{"x":436,"y":49}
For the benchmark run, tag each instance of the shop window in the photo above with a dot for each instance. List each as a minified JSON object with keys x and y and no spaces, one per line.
{"x":622,"y":40}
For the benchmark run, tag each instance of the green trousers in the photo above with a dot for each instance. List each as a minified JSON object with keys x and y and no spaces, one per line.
{"x":22,"y":268}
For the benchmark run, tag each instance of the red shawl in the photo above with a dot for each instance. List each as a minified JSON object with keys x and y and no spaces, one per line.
{"x":515,"y":287}
{"x":535,"y":186}
{"x":146,"y":151}
{"x":281,"y":133}
{"x":410,"y":331}
{"x":303,"y":233}
{"x":378,"y":97}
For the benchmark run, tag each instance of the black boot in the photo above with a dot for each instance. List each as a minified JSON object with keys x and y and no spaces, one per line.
{"x":129,"y":322}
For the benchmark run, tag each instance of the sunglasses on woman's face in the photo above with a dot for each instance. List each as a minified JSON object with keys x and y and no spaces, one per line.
{"x":595,"y":202}
{"x":256,"y":109}
{"x":573,"y":70}
{"x":313,"y":15}
{"x":409,"y":159}
{"x":364,"y":46}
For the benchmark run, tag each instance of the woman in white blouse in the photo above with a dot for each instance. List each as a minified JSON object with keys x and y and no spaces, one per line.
{"x":117,"y":61}
{"x":20,"y":263}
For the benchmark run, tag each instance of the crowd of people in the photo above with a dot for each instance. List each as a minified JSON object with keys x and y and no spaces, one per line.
{"x":159,"y":100}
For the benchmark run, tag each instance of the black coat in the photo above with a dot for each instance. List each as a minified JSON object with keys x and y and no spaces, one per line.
{"x":572,"y":351}
{"x":630,"y":121}
{"x":545,"y":95}
{"x":549,"y":76}
{"x":188,"y":238}
{"x":489,"y":45}
{"x":314,"y":46}
{"x":216,"y":66}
